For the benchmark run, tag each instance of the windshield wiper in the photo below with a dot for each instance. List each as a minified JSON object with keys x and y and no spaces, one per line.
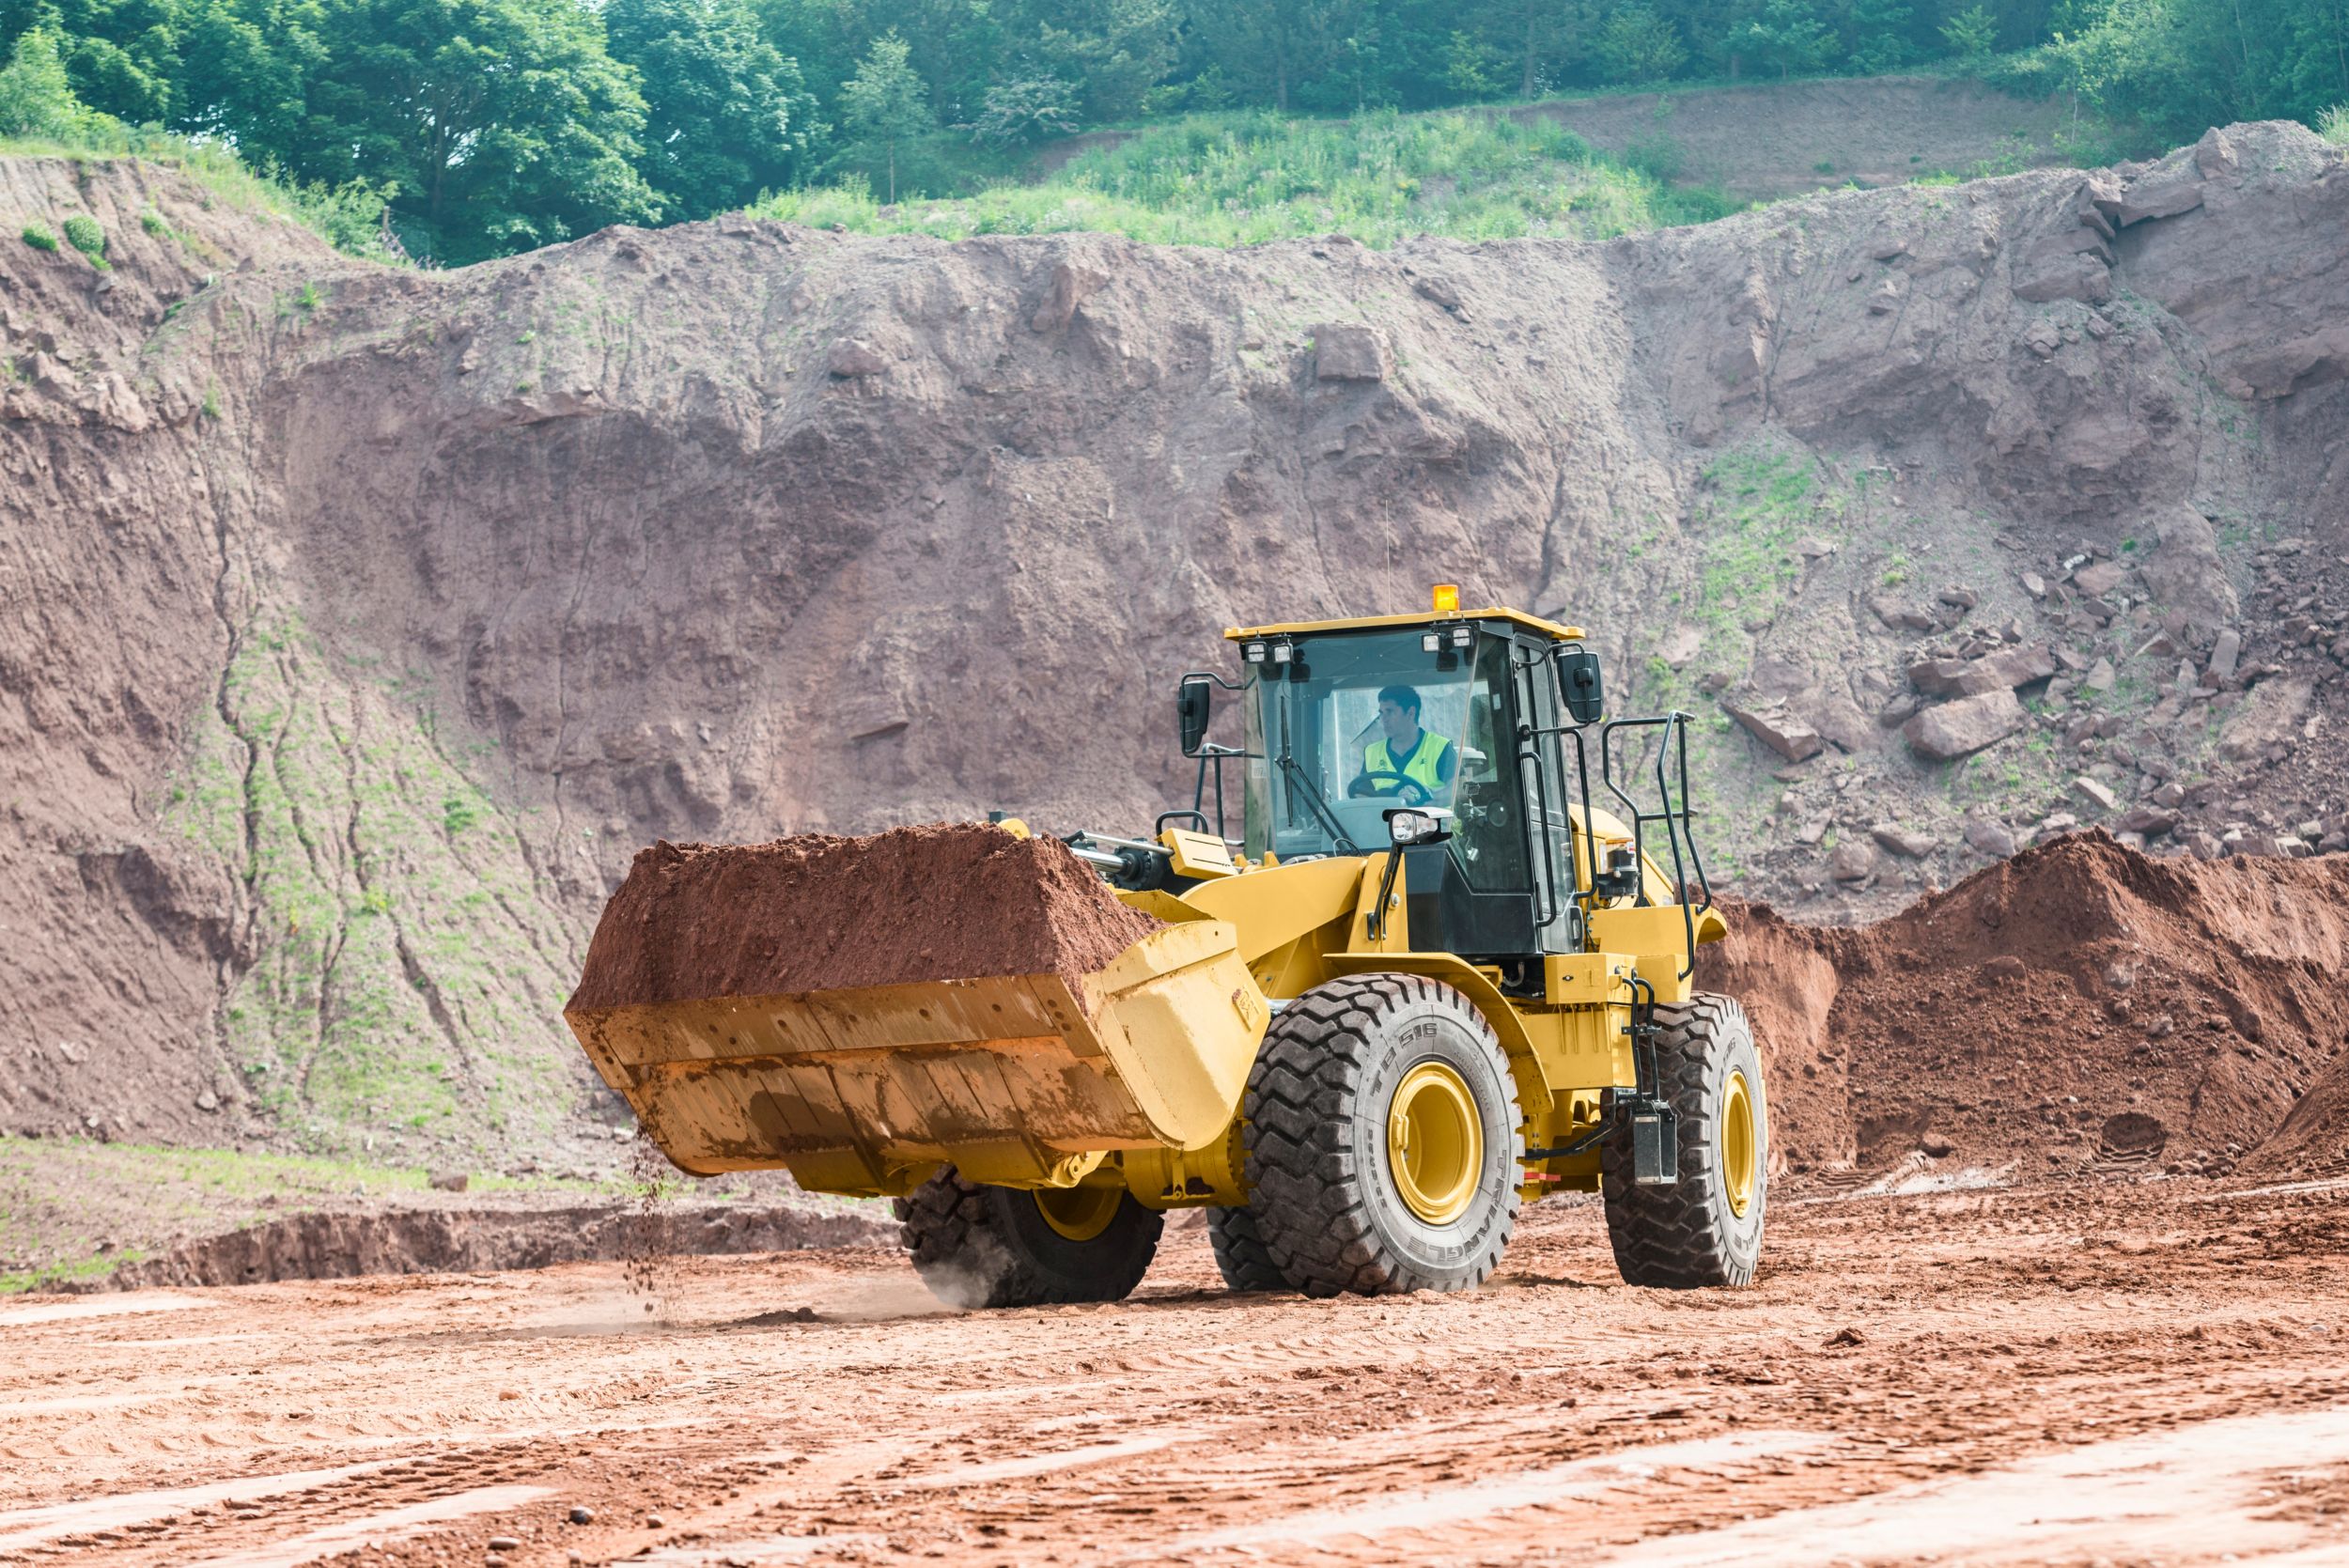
{"x":1296,"y":772}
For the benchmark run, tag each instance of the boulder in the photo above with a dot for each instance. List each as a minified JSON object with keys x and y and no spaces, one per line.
{"x":2269,"y":721}
{"x":1680,"y":646}
{"x":2001,"y":671}
{"x":1070,"y":286}
{"x":1899,"y":616}
{"x":2096,"y":793}
{"x":2185,"y":574}
{"x":852,"y":357}
{"x":2162,"y":194}
{"x":1990,"y":838}
{"x":1852,"y":862}
{"x":2226,"y":651}
{"x":1899,"y":841}
{"x":1788,"y":735}
{"x":1961,"y":728}
{"x":2099,"y":578}
{"x":2147,"y":821}
{"x":1348,"y":352}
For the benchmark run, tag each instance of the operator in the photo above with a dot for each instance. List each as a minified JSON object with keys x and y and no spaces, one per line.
{"x":1406,"y":761}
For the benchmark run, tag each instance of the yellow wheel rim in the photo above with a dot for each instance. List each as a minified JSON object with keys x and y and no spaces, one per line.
{"x":1737,"y":1145}
{"x":1078,"y":1213}
{"x":1435,"y":1142}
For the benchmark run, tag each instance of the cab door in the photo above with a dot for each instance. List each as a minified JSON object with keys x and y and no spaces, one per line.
{"x":1541,"y":768}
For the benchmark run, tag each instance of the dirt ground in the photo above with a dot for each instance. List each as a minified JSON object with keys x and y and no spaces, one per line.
{"x":2125,"y":1372}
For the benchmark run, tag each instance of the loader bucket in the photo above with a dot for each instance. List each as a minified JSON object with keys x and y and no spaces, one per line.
{"x":1021,"y":1078}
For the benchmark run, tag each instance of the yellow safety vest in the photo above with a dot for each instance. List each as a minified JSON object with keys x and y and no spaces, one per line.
{"x":1422,"y":770}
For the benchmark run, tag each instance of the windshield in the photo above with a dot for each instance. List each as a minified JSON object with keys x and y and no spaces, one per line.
{"x":1359,"y":723}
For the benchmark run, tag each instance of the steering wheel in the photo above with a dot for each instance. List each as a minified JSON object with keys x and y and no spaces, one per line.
{"x":1407,"y":789}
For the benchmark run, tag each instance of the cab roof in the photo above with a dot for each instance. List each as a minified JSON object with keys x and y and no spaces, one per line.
{"x":1551,"y":629}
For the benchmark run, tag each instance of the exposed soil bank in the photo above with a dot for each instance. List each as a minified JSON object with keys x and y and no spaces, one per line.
{"x":372,"y":619}
{"x":332,"y":1246}
{"x":2079,"y":1004}
{"x":824,"y":913}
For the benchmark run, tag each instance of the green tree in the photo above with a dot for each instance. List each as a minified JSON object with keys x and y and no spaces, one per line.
{"x":1878,"y":34}
{"x":1018,"y":112}
{"x":1787,"y":34}
{"x":120,"y":56}
{"x":35,"y":98}
{"x":885,"y":102}
{"x":1971,"y":34}
{"x":1637,"y":45}
{"x":726,"y":116}
{"x":1113,"y":52}
{"x":1466,"y":72}
{"x":505,"y":124}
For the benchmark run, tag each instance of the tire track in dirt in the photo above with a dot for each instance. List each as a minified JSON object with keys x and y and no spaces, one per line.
{"x":1987,"y":1331}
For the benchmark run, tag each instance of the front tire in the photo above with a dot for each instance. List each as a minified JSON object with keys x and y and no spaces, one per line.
{"x":978,"y":1246}
{"x":1706,"y":1228}
{"x":1240,"y":1253}
{"x":1383,"y":1140}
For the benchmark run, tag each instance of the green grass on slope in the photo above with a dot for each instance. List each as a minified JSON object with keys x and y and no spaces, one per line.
{"x":349,"y":219}
{"x":409,"y":980}
{"x":1238,"y":179}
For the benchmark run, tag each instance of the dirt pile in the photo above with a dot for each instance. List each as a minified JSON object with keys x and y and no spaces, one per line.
{"x":365,"y":623}
{"x":823,"y":913}
{"x":2314,"y":1138}
{"x":327,"y":1245}
{"x":2079,"y":1005}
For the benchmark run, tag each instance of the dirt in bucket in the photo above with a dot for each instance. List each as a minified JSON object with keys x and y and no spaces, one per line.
{"x":819,"y":913}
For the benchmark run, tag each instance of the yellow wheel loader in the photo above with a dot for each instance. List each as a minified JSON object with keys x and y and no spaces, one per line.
{"x":1429,"y":980}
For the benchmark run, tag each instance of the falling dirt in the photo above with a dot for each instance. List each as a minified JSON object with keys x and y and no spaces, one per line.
{"x":821,"y":914}
{"x":2045,"y":1374}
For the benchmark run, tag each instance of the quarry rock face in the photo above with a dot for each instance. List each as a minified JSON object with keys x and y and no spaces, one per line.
{"x":364,"y":624}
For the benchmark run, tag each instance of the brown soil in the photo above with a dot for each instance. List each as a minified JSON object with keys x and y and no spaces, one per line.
{"x":341,"y":1245}
{"x":2126,"y":1372}
{"x":2314,"y":1138}
{"x":497,"y":574}
{"x":821,"y":914}
{"x":2078,"y":1006}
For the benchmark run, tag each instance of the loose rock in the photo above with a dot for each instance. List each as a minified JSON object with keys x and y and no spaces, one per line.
{"x":1960,"y":728}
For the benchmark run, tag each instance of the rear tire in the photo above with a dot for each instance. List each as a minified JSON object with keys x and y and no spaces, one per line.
{"x":977,"y":1245}
{"x":1240,"y":1253}
{"x":1706,"y":1228}
{"x":1383,"y":1138}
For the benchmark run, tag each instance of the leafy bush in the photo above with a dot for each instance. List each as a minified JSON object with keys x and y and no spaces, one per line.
{"x":1018,"y":113}
{"x":40,"y":237}
{"x":2333,"y":125}
{"x":85,"y":234}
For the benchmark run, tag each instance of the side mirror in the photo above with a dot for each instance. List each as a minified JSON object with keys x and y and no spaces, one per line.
{"x":1413,"y":825}
{"x":1578,"y":685}
{"x":1194,"y":703}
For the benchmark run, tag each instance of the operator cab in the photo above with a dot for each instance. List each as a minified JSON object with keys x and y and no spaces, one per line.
{"x":1488,"y":868}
